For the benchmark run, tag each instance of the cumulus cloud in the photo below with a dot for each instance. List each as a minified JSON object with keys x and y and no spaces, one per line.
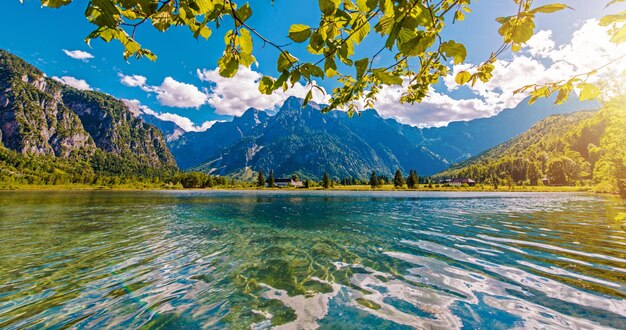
{"x":541,"y":61}
{"x":233,"y":96}
{"x":78,"y":55}
{"x":183,"y":122}
{"x":170,"y":93}
{"x":74,"y":82}
{"x":437,"y":109}
{"x":132,"y":81}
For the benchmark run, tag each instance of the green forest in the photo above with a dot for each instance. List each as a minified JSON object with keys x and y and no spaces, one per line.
{"x":583,"y":148}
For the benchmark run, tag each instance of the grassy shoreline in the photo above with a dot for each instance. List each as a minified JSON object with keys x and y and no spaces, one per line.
{"x":422,"y":188}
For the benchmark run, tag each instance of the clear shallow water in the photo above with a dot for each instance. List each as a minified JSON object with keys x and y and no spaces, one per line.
{"x":348,"y":260}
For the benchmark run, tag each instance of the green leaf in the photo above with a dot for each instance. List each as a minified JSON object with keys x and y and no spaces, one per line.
{"x":551,"y":8}
{"x":243,"y":13}
{"x":610,"y":19}
{"x":266,"y":85}
{"x":162,"y":20}
{"x":228,"y":66}
{"x":366,"y":6}
{"x":416,"y":46}
{"x":330,"y":67}
{"x":361,"y":67}
{"x":455,"y":50}
{"x":204,"y":32}
{"x":463,"y":77}
{"x":53,"y":3}
{"x":307,"y":98}
{"x":459,"y":15}
{"x":245,"y":41}
{"x":523,"y":31}
{"x":316,"y":43}
{"x":614,"y":2}
{"x":588,"y":91}
{"x":619,"y":36}
{"x":299,"y":32}
{"x":386,"y":78}
{"x":361,"y":30}
{"x":285,"y":61}
{"x":328,"y":7}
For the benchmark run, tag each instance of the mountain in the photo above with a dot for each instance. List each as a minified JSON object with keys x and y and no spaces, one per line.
{"x":40,"y":117}
{"x":308,"y":142}
{"x":170,"y":130}
{"x":583,"y":147}
{"x":194,"y":148}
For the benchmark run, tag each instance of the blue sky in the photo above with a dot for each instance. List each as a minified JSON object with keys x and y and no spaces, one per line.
{"x":40,"y":35}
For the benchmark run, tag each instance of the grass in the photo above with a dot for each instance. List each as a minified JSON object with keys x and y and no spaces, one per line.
{"x":477,"y":188}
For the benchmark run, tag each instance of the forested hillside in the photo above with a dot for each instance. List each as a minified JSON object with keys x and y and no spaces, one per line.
{"x":52,"y":133}
{"x":577,"y":149}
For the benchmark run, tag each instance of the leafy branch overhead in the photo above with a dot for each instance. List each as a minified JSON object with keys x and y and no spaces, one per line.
{"x":412,"y":31}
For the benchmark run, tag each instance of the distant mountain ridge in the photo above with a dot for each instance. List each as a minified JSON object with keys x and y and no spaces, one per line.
{"x":309,"y":143}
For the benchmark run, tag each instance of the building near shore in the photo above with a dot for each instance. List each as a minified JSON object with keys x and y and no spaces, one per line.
{"x":288,"y":182}
{"x":459,"y":182}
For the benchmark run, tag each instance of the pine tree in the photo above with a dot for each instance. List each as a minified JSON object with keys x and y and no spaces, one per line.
{"x":413,"y":180}
{"x":260,"y":180}
{"x":374,"y":182}
{"x":270,"y":181}
{"x":306,"y":184}
{"x":326,"y":181}
{"x":398,"y":180}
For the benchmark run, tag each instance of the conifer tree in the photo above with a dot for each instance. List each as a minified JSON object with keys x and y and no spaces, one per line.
{"x":270,"y":181}
{"x":413,"y":180}
{"x":398,"y":180}
{"x":260,"y":180}
{"x":326,"y":181}
{"x":374,"y":181}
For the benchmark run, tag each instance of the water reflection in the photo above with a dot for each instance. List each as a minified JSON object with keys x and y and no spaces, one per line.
{"x":353,"y":260}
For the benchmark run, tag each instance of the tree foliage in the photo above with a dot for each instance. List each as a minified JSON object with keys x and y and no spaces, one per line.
{"x":398,"y":179}
{"x":412,"y":31}
{"x":271,"y":180}
{"x":412,"y":180}
{"x":375,"y":180}
{"x":326,"y":181}
{"x":260,"y":180}
{"x":579,"y":148}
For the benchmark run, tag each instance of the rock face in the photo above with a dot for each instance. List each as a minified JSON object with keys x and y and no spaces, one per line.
{"x":33,"y":118}
{"x":194,"y":148}
{"x":42,"y":117}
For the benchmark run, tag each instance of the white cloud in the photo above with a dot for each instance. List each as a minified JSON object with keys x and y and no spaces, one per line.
{"x":78,"y":55}
{"x":132,"y":81}
{"x":74,"y":82}
{"x":170,"y":93}
{"x":183,"y":122}
{"x":436,"y":110}
{"x":233,"y":96}
{"x":541,"y":61}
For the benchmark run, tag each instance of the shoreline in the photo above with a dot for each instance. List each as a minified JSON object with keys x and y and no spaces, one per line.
{"x":129,"y":188}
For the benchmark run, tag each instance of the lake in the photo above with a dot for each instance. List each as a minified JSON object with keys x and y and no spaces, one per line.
{"x":333,"y":260}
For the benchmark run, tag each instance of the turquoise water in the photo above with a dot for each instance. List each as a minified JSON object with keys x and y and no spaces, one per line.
{"x":344,"y":260}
